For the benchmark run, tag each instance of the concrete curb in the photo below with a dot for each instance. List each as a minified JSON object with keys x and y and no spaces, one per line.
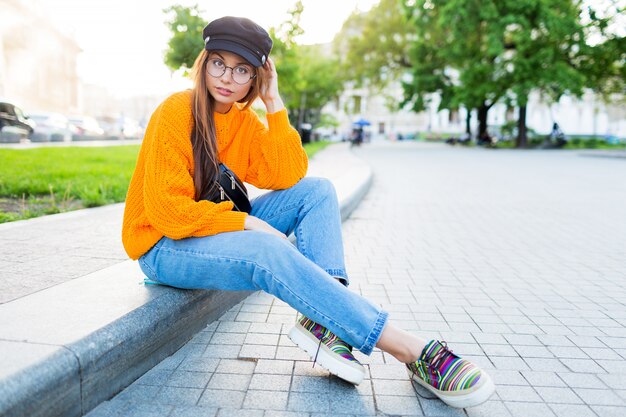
{"x":70,"y":347}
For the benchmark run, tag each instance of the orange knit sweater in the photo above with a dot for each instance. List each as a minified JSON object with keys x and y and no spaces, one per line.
{"x":160,"y":200}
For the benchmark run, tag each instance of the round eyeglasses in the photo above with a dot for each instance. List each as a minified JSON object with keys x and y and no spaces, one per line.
{"x":241,"y":73}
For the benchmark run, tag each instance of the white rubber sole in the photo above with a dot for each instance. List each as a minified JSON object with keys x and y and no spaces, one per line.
{"x":333,"y":363}
{"x":471,"y":398}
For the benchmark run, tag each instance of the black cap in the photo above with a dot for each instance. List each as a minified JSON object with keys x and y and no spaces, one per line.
{"x":238,"y":35}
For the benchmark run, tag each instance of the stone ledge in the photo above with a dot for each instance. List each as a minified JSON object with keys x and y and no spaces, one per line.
{"x":70,"y":347}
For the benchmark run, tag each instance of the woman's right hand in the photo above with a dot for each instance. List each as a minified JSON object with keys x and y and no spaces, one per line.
{"x":254,"y":223}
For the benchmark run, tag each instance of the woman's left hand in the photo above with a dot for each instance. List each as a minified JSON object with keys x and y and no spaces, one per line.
{"x":269,"y":89}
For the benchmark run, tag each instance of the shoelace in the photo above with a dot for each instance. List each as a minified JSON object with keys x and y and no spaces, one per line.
{"x":440,"y":358}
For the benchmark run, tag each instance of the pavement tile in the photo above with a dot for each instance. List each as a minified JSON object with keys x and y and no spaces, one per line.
{"x":437,"y":408}
{"x":517,"y":393}
{"x":199,"y":364}
{"x":178,"y":396}
{"x":543,"y":379}
{"x":233,"y":327}
{"x":236,"y":366}
{"x":352,"y":404}
{"x":222,"y":398}
{"x":572,"y":410}
{"x":145,"y":410}
{"x":291,"y":353}
{"x":261,"y":339}
{"x":582,"y":365}
{"x":599,"y":397}
{"x":154,"y":377}
{"x":299,"y":401}
{"x":615,"y":381}
{"x":271,"y":366}
{"x":233,"y":412}
{"x":266,"y":400}
{"x":608,"y":411}
{"x":394,"y":405}
{"x":314,"y":384}
{"x":138,"y":393}
{"x":558,"y":395}
{"x":307,"y":368}
{"x":193,"y":411}
{"x":267,"y":382}
{"x":525,"y":409}
{"x":489,"y":409}
{"x":223,"y":338}
{"x":266,"y":328}
{"x":187,"y":379}
{"x":395,"y":371}
{"x":258,"y":351}
{"x":229,"y":382}
{"x":221,"y":351}
{"x":501,"y":377}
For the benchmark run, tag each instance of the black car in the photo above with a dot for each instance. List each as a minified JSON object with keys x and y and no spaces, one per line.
{"x":13,"y":120}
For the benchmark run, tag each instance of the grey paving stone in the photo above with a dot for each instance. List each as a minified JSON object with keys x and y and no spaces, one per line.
{"x":178,"y":396}
{"x":615,"y":381}
{"x":223,"y":338}
{"x":525,"y":409}
{"x":187,"y":379}
{"x":608,"y":411}
{"x":307,"y":368}
{"x":489,"y":409}
{"x":145,"y":410}
{"x":291,"y":353}
{"x":543,"y":379}
{"x":352,"y":404}
{"x":406,"y":406}
{"x":227,"y":412}
{"x":258,"y":351}
{"x":599,"y":397}
{"x":299,"y":401}
{"x":546,"y":364}
{"x":261,"y":339}
{"x":221,"y":351}
{"x":572,"y":410}
{"x":154,"y":377}
{"x":272,"y":366}
{"x":393,"y":387}
{"x":518,"y":393}
{"x":222,"y":398}
{"x":581,"y":380}
{"x":265,"y":328}
{"x":558,"y":395}
{"x":501,"y":377}
{"x":229,"y":382}
{"x":568,"y":352}
{"x":437,"y":408}
{"x":193,"y":411}
{"x":499,"y":350}
{"x":233,"y":327}
{"x":274,"y":413}
{"x":266,"y":400}
{"x":315,"y":384}
{"x":138,"y":393}
{"x":582,"y":365}
{"x":236,"y":366}
{"x":394,"y":371}
{"x":196,"y":364}
{"x":268,"y":382}
{"x":509,"y":363}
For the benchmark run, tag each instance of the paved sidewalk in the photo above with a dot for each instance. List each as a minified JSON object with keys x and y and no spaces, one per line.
{"x":516,"y":258}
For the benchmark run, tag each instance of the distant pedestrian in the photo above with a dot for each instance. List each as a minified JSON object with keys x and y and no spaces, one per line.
{"x":184,"y":240}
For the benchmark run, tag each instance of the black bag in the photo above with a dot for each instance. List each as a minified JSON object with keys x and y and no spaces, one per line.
{"x":228,"y":187}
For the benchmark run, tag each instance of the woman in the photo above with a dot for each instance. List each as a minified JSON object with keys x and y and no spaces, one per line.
{"x":185,"y":241}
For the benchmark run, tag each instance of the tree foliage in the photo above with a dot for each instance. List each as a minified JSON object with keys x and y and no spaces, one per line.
{"x":186,"y":42}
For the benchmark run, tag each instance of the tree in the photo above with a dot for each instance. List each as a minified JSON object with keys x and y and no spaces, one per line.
{"x":186,"y":42}
{"x":372,"y":45}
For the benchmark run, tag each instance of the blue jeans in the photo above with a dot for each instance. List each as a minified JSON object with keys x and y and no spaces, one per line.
{"x":301,"y":276}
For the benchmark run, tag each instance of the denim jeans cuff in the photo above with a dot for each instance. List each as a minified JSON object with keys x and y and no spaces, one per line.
{"x":340,"y":274}
{"x":374,"y":335}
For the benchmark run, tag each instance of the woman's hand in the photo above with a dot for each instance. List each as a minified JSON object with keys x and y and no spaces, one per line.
{"x":269,"y":90}
{"x":254,"y":223}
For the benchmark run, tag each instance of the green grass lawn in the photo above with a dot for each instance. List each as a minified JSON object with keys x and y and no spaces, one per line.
{"x":39,"y":181}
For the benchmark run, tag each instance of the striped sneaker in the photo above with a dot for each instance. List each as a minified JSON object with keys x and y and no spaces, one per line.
{"x":457,"y":382}
{"x":328,"y":350}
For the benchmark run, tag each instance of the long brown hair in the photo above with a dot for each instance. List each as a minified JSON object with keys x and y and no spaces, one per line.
{"x":203,"y":136}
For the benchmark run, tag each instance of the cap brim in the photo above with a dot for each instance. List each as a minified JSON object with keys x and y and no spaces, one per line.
{"x":226,"y":45}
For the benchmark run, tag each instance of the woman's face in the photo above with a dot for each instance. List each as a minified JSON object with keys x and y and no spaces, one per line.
{"x":224,"y":89}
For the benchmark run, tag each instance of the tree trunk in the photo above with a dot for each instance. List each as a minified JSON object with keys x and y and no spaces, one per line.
{"x":522,"y":140}
{"x":483,"y":135}
{"x":468,"y":119}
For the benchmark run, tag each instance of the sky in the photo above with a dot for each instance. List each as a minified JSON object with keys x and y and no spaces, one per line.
{"x":123,"y":41}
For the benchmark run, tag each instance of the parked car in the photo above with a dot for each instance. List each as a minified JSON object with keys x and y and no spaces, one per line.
{"x":86,"y":128}
{"x":52,"y":127}
{"x":13,"y":122}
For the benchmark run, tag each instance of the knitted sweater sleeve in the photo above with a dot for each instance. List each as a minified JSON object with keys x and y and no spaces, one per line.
{"x":168,"y":185}
{"x":277,"y":158}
